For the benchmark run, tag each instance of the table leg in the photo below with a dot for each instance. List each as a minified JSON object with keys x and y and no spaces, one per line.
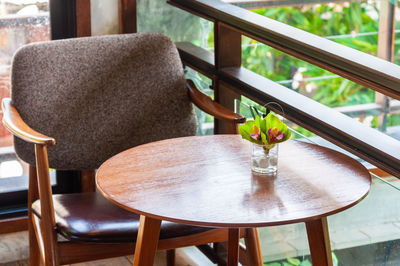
{"x":147,"y":240}
{"x":253,"y":247}
{"x":318,"y":240}
{"x":233,"y":247}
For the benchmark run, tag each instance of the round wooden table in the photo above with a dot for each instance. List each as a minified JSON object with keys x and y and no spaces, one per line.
{"x":207,"y":181}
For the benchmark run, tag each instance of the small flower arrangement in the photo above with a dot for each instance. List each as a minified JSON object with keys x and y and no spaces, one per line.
{"x":266,"y":132}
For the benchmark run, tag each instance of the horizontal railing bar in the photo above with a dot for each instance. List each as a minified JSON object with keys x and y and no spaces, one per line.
{"x":197,"y":58}
{"x":277,"y":3}
{"x":365,"y":69}
{"x":367,"y":143}
{"x":202,"y":60}
{"x":368,"y":107}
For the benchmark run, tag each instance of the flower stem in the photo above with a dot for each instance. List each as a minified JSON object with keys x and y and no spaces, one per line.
{"x":267,"y":149}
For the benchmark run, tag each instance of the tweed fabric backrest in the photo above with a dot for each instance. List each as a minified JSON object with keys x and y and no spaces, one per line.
{"x":98,"y":96}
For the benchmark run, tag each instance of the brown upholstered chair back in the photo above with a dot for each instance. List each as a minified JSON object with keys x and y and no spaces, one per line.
{"x":98,"y":96}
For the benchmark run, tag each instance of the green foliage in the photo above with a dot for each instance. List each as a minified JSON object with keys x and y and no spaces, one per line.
{"x":333,"y":20}
{"x":158,"y":16}
{"x":393,"y":120}
{"x":299,"y":262}
{"x":353,"y":24}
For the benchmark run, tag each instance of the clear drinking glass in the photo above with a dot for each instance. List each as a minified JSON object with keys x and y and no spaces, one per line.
{"x":264,"y":161}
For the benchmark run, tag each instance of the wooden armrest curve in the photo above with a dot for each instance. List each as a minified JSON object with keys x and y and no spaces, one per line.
{"x":211,"y":107}
{"x":14,"y":123}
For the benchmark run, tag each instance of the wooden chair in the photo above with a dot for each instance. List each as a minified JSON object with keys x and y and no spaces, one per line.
{"x":98,"y":96}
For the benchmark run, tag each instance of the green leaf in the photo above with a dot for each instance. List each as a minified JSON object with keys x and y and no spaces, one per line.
{"x":252,"y":112}
{"x":294,"y":261}
{"x":263,"y":126}
{"x":272,"y":264}
{"x":264,"y":138}
{"x":334,"y":259}
{"x":246,"y":130}
{"x":258,"y":121}
{"x":272,"y":121}
{"x":305,"y":263}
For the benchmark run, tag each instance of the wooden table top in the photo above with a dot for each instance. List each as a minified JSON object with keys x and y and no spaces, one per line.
{"x":206,"y":180}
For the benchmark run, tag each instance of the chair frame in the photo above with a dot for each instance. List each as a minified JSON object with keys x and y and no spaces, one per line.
{"x":44,"y":244}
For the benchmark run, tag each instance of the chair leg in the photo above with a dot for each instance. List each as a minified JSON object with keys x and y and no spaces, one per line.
{"x":171,"y":257}
{"x":253,"y":247}
{"x":34,"y":252}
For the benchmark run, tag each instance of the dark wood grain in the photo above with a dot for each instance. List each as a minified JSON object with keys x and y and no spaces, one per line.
{"x":197,"y":58}
{"x":228,"y":53}
{"x":233,"y":247}
{"x":13,"y":225}
{"x":253,"y":247}
{"x":207,"y":181}
{"x":88,"y":181}
{"x":83,"y":18}
{"x":318,"y":240}
{"x":76,"y":252}
{"x":127,"y":16}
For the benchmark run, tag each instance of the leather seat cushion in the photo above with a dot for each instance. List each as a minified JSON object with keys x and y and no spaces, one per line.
{"x":89,"y":217}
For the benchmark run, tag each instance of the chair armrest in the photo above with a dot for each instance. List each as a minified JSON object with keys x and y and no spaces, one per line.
{"x":211,"y":107}
{"x":14,"y":123}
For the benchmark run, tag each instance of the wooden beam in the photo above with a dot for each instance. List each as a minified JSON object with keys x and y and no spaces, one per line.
{"x":259,"y":4}
{"x":228,"y":53}
{"x":88,"y":180}
{"x":197,"y":58}
{"x":13,"y":225}
{"x":127,"y":16}
{"x":83,"y":18}
{"x":385,"y":51}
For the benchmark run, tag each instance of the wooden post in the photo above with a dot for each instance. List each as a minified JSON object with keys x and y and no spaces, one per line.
{"x":127,"y":16}
{"x":233,"y":247}
{"x":33,"y":195}
{"x":385,"y":51}
{"x":47,"y":221}
{"x":88,"y":182}
{"x":83,"y":18}
{"x":228,"y":53}
{"x":253,"y":247}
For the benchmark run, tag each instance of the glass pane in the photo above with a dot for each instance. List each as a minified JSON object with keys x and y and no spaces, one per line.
{"x":104,"y":17}
{"x":351,"y":23}
{"x":347,"y":97}
{"x":180,"y":26}
{"x":358,"y":236}
{"x":205,"y":121}
{"x":21,"y":22}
